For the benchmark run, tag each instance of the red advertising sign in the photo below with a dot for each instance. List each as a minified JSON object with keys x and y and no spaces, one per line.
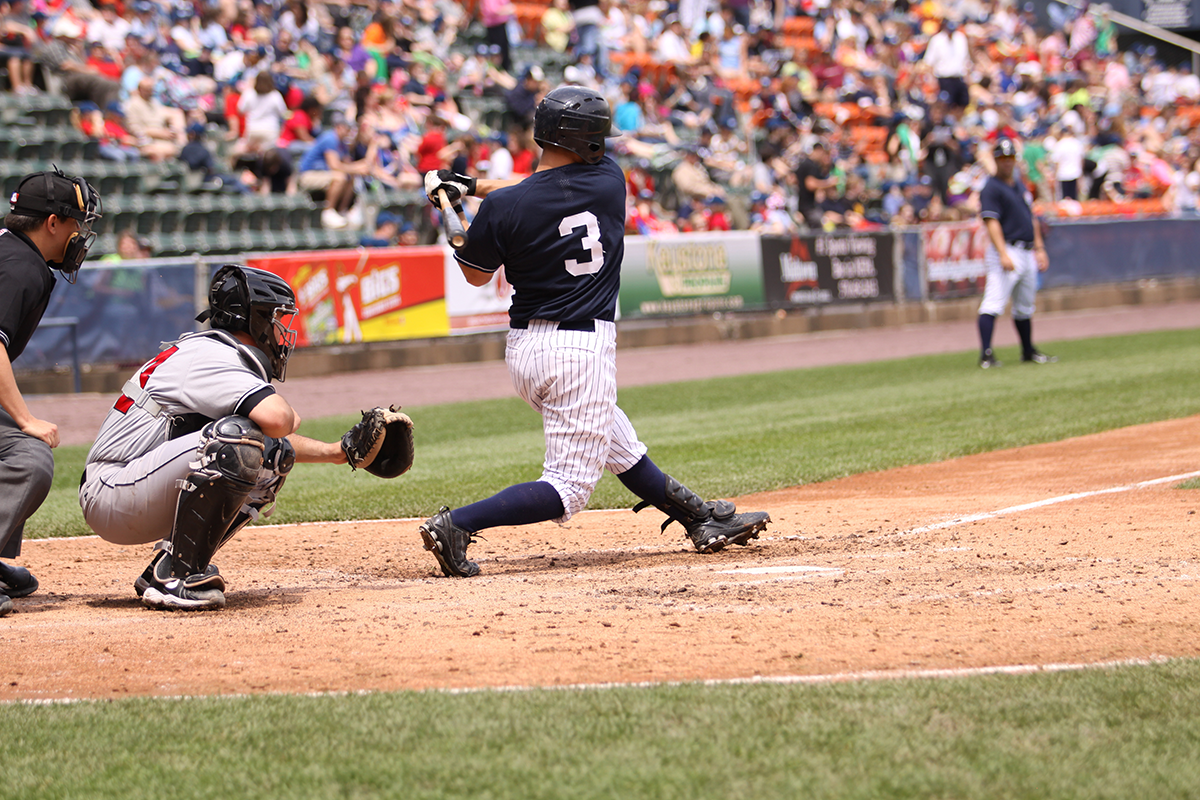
{"x":365,"y":295}
{"x":954,"y":258}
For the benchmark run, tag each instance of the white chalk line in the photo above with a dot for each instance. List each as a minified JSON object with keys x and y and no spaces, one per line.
{"x":1050,"y":501}
{"x":755,"y":680}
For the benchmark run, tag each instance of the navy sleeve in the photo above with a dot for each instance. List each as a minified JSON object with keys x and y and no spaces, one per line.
{"x":990,"y":200}
{"x":485,"y":244}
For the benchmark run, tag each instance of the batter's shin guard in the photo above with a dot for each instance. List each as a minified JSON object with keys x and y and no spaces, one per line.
{"x":710,"y":524}
{"x":212,"y":495}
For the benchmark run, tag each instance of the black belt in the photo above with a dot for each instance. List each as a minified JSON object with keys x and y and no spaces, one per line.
{"x":1017,"y":243}
{"x":564,"y":325}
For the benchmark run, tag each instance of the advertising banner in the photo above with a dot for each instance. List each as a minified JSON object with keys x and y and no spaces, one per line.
{"x":694,"y":273}
{"x":474,"y":309}
{"x":836,"y":268}
{"x":954,"y":259}
{"x":365,"y":295}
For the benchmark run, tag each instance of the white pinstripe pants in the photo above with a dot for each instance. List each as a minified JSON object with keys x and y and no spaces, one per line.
{"x":570,"y":378}
{"x":1020,"y":284}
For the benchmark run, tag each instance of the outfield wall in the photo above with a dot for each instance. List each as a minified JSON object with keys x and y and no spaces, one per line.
{"x":357,"y":306}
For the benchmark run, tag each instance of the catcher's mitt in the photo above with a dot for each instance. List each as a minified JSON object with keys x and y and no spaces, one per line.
{"x":382,"y":443}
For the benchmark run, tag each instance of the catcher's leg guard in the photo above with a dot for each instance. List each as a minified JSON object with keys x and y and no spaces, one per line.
{"x":278,"y":459}
{"x":231,"y":460}
{"x":710,"y":524}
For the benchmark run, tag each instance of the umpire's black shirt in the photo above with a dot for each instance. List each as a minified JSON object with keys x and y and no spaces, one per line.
{"x":25,"y":286}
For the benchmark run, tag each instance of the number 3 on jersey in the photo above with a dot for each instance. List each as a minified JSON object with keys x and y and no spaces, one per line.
{"x":590,"y":242}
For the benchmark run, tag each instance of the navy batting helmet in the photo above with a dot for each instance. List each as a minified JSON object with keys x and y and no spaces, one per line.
{"x":1004,"y":148}
{"x":258,"y":302}
{"x":574,"y":118}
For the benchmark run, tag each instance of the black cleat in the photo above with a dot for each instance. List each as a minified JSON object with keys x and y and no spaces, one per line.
{"x":16,"y":581}
{"x":988,"y":360}
{"x":712,"y":534}
{"x":1038,"y":358}
{"x":210,"y":579}
{"x":193,"y":593}
{"x":448,"y":543}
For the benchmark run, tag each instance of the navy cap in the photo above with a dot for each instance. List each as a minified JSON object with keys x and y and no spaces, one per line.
{"x":1004,"y":148}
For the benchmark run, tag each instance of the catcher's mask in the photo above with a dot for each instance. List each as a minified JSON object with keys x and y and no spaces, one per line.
{"x":44,"y":193}
{"x":575,"y":118}
{"x":258,"y":302}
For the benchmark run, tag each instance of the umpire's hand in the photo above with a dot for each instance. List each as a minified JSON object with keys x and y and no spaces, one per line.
{"x":40,"y":429}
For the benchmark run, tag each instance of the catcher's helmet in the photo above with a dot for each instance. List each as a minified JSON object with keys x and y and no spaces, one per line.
{"x":259,"y":303}
{"x":575,"y":118}
{"x":1004,"y":148}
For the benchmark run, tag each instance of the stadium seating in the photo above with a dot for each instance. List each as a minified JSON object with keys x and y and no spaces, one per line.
{"x":164,"y":202}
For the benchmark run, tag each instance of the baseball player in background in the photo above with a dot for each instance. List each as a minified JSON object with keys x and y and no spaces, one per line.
{"x":48,"y":227}
{"x":559,"y":234}
{"x":199,"y":442}
{"x":1015,"y":258}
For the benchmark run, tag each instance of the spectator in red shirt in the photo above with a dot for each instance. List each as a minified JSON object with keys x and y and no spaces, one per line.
{"x":104,"y":62}
{"x":524,"y":154}
{"x":297,"y":132}
{"x":431,"y":153}
{"x":116,"y":143}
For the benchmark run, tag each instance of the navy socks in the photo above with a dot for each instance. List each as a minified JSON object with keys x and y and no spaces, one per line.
{"x":1025,"y":331}
{"x":987,"y":324}
{"x":538,"y":501}
{"x":646,"y":481}
{"x":523,"y":504}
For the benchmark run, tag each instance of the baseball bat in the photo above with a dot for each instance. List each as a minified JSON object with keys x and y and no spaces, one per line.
{"x":453,"y":222}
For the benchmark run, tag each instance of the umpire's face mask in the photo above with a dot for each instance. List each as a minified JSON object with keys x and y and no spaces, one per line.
{"x":88,"y":209}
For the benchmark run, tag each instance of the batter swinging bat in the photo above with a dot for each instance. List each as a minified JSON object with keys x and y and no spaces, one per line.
{"x":453,"y":222}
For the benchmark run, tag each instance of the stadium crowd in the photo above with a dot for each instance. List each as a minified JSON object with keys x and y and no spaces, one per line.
{"x":738,"y":114}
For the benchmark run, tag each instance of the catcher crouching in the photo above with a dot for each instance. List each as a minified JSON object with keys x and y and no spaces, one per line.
{"x":200,"y":443}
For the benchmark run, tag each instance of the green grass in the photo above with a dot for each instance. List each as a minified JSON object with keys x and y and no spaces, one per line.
{"x":1128,"y":732}
{"x":731,"y":436}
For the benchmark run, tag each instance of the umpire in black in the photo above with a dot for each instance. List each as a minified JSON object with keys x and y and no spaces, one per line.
{"x":48,"y":227}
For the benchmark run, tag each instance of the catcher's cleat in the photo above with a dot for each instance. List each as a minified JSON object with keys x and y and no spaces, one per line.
{"x":193,"y":593}
{"x":16,"y":581}
{"x":711,"y":525}
{"x":448,"y":543}
{"x":988,"y":360}
{"x":1037,"y":357}
{"x":210,"y":579}
{"x":5,"y":605}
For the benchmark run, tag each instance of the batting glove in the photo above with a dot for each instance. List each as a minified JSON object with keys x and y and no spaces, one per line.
{"x":456,"y":186}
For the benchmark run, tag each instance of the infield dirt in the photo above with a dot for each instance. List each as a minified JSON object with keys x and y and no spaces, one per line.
{"x":866,"y":573}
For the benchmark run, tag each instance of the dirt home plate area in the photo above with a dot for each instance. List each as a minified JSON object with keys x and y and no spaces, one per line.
{"x":1073,"y":552}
